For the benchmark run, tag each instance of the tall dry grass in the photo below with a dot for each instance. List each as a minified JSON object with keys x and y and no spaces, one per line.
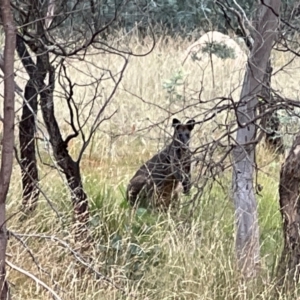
{"x":151,"y":256}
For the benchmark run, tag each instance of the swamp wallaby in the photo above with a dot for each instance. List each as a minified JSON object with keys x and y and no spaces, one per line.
{"x":159,"y":181}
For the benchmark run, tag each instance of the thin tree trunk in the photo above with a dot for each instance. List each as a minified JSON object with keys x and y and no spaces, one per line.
{"x":289,"y":190}
{"x":247,"y":231}
{"x":8,"y":135}
{"x":70,"y":167}
{"x":26,"y":135}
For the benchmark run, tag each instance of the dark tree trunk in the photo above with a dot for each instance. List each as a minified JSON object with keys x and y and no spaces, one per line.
{"x":8,"y":135}
{"x":26,"y":135}
{"x":289,"y":190}
{"x":270,"y":122}
{"x":70,"y":167}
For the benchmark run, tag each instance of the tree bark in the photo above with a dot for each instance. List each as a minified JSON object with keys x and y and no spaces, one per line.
{"x":270,"y":122}
{"x":289,"y":190}
{"x":70,"y":167}
{"x":26,"y":134}
{"x":247,"y":231}
{"x":8,"y":135}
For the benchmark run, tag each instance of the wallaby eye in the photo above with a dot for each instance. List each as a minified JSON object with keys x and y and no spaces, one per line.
{"x":180,"y":136}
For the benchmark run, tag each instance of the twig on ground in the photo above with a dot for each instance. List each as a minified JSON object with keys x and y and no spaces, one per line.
{"x":38,"y":281}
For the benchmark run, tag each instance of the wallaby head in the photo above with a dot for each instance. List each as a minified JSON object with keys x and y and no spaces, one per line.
{"x":182,"y":132}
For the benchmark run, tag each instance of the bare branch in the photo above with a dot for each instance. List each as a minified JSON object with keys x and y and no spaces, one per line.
{"x":50,"y":13}
{"x":38,"y":281}
{"x":77,"y":256}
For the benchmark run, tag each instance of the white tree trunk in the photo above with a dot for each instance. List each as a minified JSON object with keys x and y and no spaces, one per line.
{"x":247,"y":230}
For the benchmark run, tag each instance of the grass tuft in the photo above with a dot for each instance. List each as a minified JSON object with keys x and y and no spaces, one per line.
{"x":177,"y":255}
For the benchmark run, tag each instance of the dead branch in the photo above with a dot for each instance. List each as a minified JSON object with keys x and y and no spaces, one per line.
{"x":38,"y":281}
{"x":77,"y":256}
{"x":34,"y":260}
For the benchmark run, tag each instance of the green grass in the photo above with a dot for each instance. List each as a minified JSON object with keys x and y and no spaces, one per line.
{"x":184,"y":254}
{"x":159,"y":256}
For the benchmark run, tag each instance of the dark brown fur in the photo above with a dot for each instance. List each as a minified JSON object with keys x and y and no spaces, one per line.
{"x":159,"y":181}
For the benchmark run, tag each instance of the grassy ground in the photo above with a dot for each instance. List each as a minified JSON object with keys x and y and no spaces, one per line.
{"x":151,"y":256}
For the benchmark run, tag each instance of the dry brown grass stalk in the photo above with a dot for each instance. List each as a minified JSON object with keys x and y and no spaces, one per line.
{"x":178,"y":263}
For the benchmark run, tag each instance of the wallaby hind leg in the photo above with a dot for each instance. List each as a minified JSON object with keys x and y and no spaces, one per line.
{"x":162,"y":200}
{"x":169,"y":198}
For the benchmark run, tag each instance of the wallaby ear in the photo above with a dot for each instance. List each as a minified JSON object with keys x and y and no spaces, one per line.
{"x":175,"y":122}
{"x":190,"y":124}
